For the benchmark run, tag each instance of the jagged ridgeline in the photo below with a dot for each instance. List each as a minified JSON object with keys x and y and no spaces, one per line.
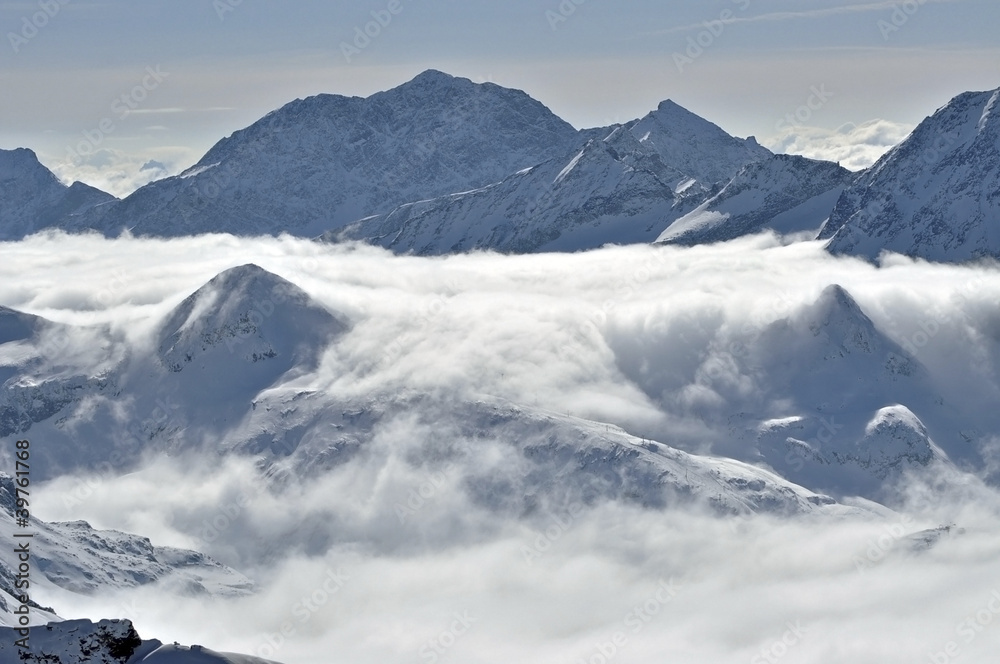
{"x":441,"y":165}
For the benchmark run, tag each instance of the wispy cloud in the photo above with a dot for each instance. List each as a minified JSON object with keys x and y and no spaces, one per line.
{"x":801,"y":14}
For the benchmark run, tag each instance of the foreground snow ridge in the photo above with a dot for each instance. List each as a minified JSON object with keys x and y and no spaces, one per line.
{"x":105,"y":642}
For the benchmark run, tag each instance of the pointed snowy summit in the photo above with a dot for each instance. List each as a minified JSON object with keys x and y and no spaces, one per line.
{"x":249,"y":314}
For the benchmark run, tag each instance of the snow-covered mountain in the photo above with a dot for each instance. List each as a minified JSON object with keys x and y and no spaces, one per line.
{"x":694,"y":146}
{"x":104,"y":642}
{"x":223,"y":364}
{"x":78,"y":559}
{"x":220,"y":371}
{"x":242,"y":332}
{"x":840,"y":406}
{"x":437,"y":165}
{"x":32,"y":198}
{"x":784,"y":193}
{"x":561,"y":459}
{"x":622,"y":186}
{"x":934,"y":196}
{"x":318,"y":163}
{"x":441,"y":164}
{"x":612,"y":190}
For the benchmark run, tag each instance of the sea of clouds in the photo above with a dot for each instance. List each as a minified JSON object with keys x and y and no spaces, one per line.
{"x":634,"y":336}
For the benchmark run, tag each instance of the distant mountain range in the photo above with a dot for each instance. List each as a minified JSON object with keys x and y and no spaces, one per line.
{"x":441,"y":164}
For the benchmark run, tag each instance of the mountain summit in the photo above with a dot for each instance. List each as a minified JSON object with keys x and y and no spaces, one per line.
{"x":318,"y":163}
{"x":934,"y":196}
{"x":695,"y":146}
{"x":32,"y":198}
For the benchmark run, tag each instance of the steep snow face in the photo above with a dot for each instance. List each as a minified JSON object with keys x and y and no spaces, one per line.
{"x":32,"y":198}
{"x":839,"y":369}
{"x":611,"y":191}
{"x":893,"y":438}
{"x":824,"y":453}
{"x":319,"y":163}
{"x":242,"y":332}
{"x":934,"y":196}
{"x":787,"y":194}
{"x":694,"y":145}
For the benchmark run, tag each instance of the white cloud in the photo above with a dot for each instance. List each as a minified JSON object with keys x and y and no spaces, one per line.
{"x":822,"y":12}
{"x":855,"y":147}
{"x":120,"y":173}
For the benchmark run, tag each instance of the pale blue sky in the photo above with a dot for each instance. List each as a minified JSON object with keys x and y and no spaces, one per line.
{"x":227,"y":63}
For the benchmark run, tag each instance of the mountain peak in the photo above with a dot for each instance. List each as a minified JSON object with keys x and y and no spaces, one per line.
{"x":694,"y":145}
{"x":318,"y":164}
{"x":838,"y":311}
{"x":933,"y":196}
{"x":21,"y":164}
{"x":244,"y":312}
{"x":435,"y":77}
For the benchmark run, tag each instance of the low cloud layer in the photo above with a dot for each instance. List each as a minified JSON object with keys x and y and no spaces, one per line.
{"x":636,"y":337}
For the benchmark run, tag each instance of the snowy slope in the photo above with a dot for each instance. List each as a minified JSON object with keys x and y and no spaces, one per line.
{"x":625,"y":186}
{"x":76,"y":558}
{"x":32,"y":198}
{"x":787,"y":194}
{"x":47,"y":371}
{"x":105,"y":642}
{"x":319,"y":163}
{"x":560,"y":459}
{"x":935,"y":195}
{"x":612,"y":190}
{"x":219,"y":372}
